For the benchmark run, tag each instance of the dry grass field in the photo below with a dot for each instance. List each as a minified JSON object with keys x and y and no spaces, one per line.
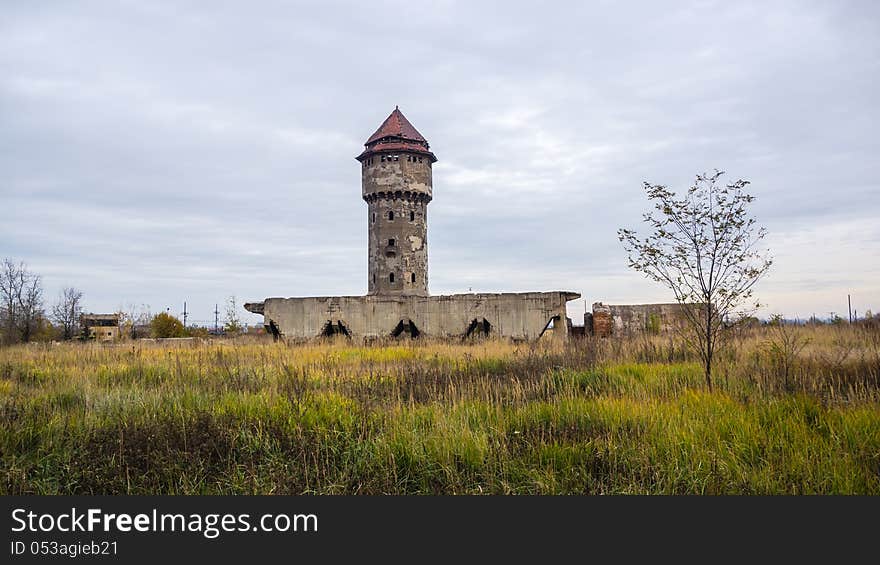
{"x":794,"y":410}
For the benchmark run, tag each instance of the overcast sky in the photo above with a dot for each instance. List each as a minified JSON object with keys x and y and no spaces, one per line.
{"x":156,"y":152}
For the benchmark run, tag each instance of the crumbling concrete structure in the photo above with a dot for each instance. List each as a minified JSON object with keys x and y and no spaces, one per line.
{"x":628,"y":319}
{"x":516,"y":315}
{"x":397,"y":185}
{"x":101,"y":327}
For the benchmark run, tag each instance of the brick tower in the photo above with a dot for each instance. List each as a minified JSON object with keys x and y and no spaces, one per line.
{"x":396,"y":182}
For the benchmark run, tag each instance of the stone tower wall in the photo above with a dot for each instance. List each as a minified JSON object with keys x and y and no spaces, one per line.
{"x":397,"y":189}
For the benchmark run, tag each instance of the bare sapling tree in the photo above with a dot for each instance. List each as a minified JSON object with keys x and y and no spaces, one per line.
{"x":704,"y":246}
{"x":9,"y":285}
{"x":134,"y":322}
{"x":784,"y":346}
{"x":21,"y":301}
{"x":66,"y":312}
{"x":233,"y":324}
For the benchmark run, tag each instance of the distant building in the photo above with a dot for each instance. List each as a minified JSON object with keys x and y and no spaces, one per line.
{"x":628,"y":319}
{"x":102,"y":327}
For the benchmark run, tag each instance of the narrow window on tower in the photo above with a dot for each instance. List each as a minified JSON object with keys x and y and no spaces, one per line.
{"x":374,"y":217}
{"x":412,"y":216}
{"x":391,"y":242}
{"x":391,"y":214}
{"x":391,"y":277}
{"x":412,"y":277}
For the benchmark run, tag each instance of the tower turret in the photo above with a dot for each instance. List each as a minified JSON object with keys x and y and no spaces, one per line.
{"x":396,"y":182}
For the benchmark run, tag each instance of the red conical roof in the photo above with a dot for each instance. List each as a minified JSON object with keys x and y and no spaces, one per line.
{"x":397,"y":134}
{"x":396,"y":125}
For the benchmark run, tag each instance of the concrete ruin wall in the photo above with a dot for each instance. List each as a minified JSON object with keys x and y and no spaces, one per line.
{"x":514,"y":315}
{"x":101,"y":327}
{"x":627,"y":319}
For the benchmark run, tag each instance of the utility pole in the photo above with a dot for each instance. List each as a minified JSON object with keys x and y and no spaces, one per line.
{"x":849,"y":304}
{"x":184,"y":313}
{"x":216,"y":317}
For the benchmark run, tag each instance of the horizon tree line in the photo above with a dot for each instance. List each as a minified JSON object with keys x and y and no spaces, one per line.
{"x":25,"y":318}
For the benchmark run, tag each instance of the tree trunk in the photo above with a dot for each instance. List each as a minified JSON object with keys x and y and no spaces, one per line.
{"x":709,"y":344}
{"x":709,"y":370}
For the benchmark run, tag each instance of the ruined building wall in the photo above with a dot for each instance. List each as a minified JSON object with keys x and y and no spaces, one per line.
{"x":397,"y":189}
{"x":515,"y":315}
{"x":625,"y":319}
{"x":602,"y":322}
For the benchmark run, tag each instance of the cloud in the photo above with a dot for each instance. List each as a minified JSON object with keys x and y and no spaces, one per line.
{"x":158,"y":152}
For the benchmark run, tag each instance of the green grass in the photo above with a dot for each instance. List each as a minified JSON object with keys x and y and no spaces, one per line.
{"x":595,"y":417}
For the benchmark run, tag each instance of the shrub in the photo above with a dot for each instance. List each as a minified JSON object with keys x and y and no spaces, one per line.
{"x":165,"y":325}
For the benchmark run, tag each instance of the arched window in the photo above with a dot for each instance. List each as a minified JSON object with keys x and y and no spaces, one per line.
{"x":391,"y":277}
{"x":412,"y":216}
{"x":412,"y":277}
{"x":391,"y":214}
{"x":391,"y":242}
